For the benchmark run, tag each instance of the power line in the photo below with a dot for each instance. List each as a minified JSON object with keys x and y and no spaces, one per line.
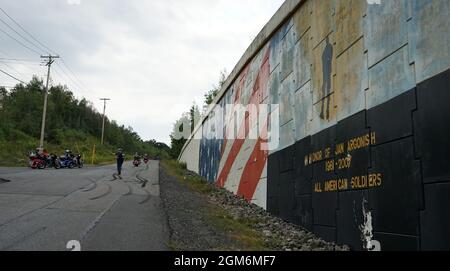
{"x":23,"y":29}
{"x":62,"y":78}
{"x":6,"y":33}
{"x":63,"y":75}
{"x":5,"y":60}
{"x":13,"y":77}
{"x":29,"y":73}
{"x":20,"y":35}
{"x":11,"y":67}
{"x":70,"y":70}
{"x":19,"y":60}
{"x":75,"y":82}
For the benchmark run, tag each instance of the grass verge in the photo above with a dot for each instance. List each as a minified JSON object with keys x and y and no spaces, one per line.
{"x":239,"y":230}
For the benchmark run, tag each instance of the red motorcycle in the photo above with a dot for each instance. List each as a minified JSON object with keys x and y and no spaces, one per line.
{"x":37,"y":161}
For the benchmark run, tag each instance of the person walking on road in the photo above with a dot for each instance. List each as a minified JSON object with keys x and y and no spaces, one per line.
{"x":120,"y":157}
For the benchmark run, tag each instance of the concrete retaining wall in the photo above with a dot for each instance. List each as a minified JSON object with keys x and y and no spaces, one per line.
{"x":359,"y":94}
{"x":191,"y":152}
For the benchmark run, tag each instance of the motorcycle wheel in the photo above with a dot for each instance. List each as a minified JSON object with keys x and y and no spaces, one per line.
{"x":80,"y":165}
{"x":71,"y":165}
{"x":57,"y":165}
{"x":41,"y":166}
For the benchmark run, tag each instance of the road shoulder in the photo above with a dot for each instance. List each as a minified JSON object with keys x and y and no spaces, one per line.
{"x":203,"y":217}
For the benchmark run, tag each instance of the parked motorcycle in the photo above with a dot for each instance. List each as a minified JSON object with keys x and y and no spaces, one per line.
{"x":37,"y":162}
{"x":79,"y":161}
{"x":53,"y":161}
{"x":31,"y":157}
{"x":67,"y":162}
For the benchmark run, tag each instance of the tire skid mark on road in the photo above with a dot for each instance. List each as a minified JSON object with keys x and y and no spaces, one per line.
{"x":98,"y":218}
{"x":129,"y":190}
{"x":128,"y":186}
{"x":23,"y":238}
{"x":147,"y":197}
{"x":104,"y":194}
{"x":4,"y":180}
{"x":115,"y":177}
{"x":34,"y":210}
{"x":142,"y":179}
{"x":94,"y":185}
{"x":143,"y":182}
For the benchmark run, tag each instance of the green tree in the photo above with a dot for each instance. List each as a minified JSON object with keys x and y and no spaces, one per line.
{"x":179,"y":134}
{"x":70,"y":123}
{"x":194,"y":116}
{"x":211,"y":94}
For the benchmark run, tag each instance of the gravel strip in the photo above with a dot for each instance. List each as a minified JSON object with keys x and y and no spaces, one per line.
{"x":279,"y":234}
{"x":190,"y":230}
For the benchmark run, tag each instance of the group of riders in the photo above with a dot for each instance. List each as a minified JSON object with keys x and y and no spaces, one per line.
{"x":120,"y":157}
{"x":41,"y":159}
{"x":137,"y":159}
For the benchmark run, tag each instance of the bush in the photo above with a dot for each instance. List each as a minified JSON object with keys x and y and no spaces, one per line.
{"x":183,"y":165}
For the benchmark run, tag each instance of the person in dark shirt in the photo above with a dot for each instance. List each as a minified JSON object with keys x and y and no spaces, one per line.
{"x":137,"y":157}
{"x":120,"y":157}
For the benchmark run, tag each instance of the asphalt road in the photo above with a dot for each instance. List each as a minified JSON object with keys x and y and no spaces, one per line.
{"x":46,"y":209}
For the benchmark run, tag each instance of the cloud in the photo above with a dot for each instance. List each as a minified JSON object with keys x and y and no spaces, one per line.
{"x":74,"y":2}
{"x":147,"y":56}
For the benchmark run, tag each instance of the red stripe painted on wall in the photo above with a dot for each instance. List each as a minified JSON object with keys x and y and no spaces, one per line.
{"x":237,"y":95}
{"x":253,"y":170}
{"x":259,"y":90}
{"x":258,"y":159}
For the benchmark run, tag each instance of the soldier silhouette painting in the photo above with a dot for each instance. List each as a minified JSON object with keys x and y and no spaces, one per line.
{"x":327,"y":58}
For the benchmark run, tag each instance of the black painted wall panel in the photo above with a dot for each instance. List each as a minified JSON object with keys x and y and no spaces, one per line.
{"x":409,"y":211}
{"x":303,"y":211}
{"x":324,"y":208}
{"x":396,"y":201}
{"x":392,"y":120}
{"x":432,"y":127}
{"x":350,"y":217}
{"x":303,"y":173}
{"x":287,"y":196}
{"x":396,"y":242}
{"x":435,"y":219}
{"x":350,"y":128}
{"x":325,"y":232}
{"x":324,"y":138}
{"x":273,"y":178}
{"x":287,"y":159}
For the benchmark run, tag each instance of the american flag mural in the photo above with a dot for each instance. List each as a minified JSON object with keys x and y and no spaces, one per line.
{"x":228,"y":155}
{"x":336,"y":119}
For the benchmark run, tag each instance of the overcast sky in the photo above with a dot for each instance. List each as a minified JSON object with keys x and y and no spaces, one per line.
{"x":149,"y":57}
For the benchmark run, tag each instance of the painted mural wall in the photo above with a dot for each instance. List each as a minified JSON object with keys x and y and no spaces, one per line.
{"x":340,"y":123}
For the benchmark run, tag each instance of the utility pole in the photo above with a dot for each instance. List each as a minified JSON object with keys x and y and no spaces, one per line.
{"x":104,"y":109}
{"x":44,"y":113}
